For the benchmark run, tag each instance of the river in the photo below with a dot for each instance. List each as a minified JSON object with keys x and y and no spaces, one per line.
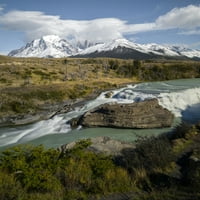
{"x":182,"y":97}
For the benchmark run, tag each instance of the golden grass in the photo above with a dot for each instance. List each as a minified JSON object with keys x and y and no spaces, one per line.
{"x":36,"y":71}
{"x":36,"y":81}
{"x":28,"y":83}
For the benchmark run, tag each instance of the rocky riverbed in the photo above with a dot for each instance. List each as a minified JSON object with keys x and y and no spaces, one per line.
{"x":45,"y":112}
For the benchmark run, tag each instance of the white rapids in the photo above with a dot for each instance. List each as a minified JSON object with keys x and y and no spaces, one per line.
{"x":181,"y":97}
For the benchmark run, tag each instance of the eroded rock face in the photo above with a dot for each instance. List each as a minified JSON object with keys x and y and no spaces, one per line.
{"x":146,"y":114}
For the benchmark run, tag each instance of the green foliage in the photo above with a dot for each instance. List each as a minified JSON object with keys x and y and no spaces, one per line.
{"x":92,"y":173}
{"x":162,"y":71}
{"x":3,"y":80}
{"x":146,"y":155}
{"x":114,"y":64}
{"x":137,"y":64}
{"x":126,"y":70}
{"x":32,"y":166}
{"x":46,"y":95}
{"x":10,"y":189}
{"x":17,"y":106}
{"x":75,"y":174}
{"x":150,"y":171}
{"x":78,"y":91}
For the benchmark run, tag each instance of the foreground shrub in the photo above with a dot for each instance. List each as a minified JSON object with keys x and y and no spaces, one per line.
{"x":10,"y":189}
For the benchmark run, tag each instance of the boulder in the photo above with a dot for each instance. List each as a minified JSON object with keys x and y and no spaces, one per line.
{"x":104,"y":145}
{"x":146,"y":114}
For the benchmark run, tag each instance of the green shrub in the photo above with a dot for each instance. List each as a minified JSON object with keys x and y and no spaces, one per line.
{"x":33,"y":167}
{"x":149,"y":171}
{"x":10,"y":189}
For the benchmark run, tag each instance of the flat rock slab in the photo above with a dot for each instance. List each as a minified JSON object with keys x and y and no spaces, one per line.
{"x":104,"y":145}
{"x":146,"y":114}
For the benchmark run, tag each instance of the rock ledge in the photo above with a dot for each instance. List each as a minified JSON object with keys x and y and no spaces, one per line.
{"x":146,"y":114}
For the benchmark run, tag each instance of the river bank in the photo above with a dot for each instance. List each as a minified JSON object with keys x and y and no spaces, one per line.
{"x":47,"y":111}
{"x":179,"y":96}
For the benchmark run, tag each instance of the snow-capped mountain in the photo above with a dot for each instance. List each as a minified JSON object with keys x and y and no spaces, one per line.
{"x":54,"y":46}
{"x":47,"y":46}
{"x":129,"y":49}
{"x":123,"y":43}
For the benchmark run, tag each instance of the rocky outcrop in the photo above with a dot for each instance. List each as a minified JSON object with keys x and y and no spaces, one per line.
{"x":102,"y":145}
{"x":146,"y":114}
{"x":45,"y":112}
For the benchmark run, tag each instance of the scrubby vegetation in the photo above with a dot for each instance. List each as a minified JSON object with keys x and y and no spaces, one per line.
{"x":164,"y":168}
{"x":28,"y":172}
{"x":155,"y":71}
{"x":26,"y":84}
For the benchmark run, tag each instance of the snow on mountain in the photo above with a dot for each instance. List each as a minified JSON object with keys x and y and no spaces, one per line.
{"x":143,"y":48}
{"x":191,"y":53}
{"x":155,"y":49}
{"x":47,"y":46}
{"x":112,"y":45}
{"x":54,"y":46}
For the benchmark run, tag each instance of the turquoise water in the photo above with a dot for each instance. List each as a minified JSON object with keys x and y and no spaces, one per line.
{"x":182,"y":97}
{"x":127,"y":135}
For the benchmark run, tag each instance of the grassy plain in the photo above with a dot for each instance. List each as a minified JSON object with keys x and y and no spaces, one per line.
{"x":27,"y":84}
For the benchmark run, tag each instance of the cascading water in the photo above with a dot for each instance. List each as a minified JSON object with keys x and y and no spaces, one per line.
{"x":182,"y":97}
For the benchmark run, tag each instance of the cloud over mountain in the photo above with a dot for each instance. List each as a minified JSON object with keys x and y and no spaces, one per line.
{"x":35,"y":24}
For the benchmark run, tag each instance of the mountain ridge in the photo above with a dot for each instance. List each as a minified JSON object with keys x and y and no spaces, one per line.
{"x":56,"y":47}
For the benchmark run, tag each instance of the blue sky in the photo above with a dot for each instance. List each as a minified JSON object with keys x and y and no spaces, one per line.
{"x":142,"y":21}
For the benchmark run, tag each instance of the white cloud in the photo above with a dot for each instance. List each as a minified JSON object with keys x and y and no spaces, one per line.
{"x":182,"y":18}
{"x":136,"y":28}
{"x":36,"y":24}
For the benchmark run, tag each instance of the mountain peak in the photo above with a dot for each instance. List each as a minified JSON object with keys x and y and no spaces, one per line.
{"x":51,"y":38}
{"x":54,"y":46}
{"x":46,"y":46}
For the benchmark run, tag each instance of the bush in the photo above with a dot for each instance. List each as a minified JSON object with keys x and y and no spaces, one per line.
{"x":10,"y":189}
{"x":146,"y":155}
{"x":149,"y":171}
{"x":33,"y":167}
{"x":74,"y":174}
